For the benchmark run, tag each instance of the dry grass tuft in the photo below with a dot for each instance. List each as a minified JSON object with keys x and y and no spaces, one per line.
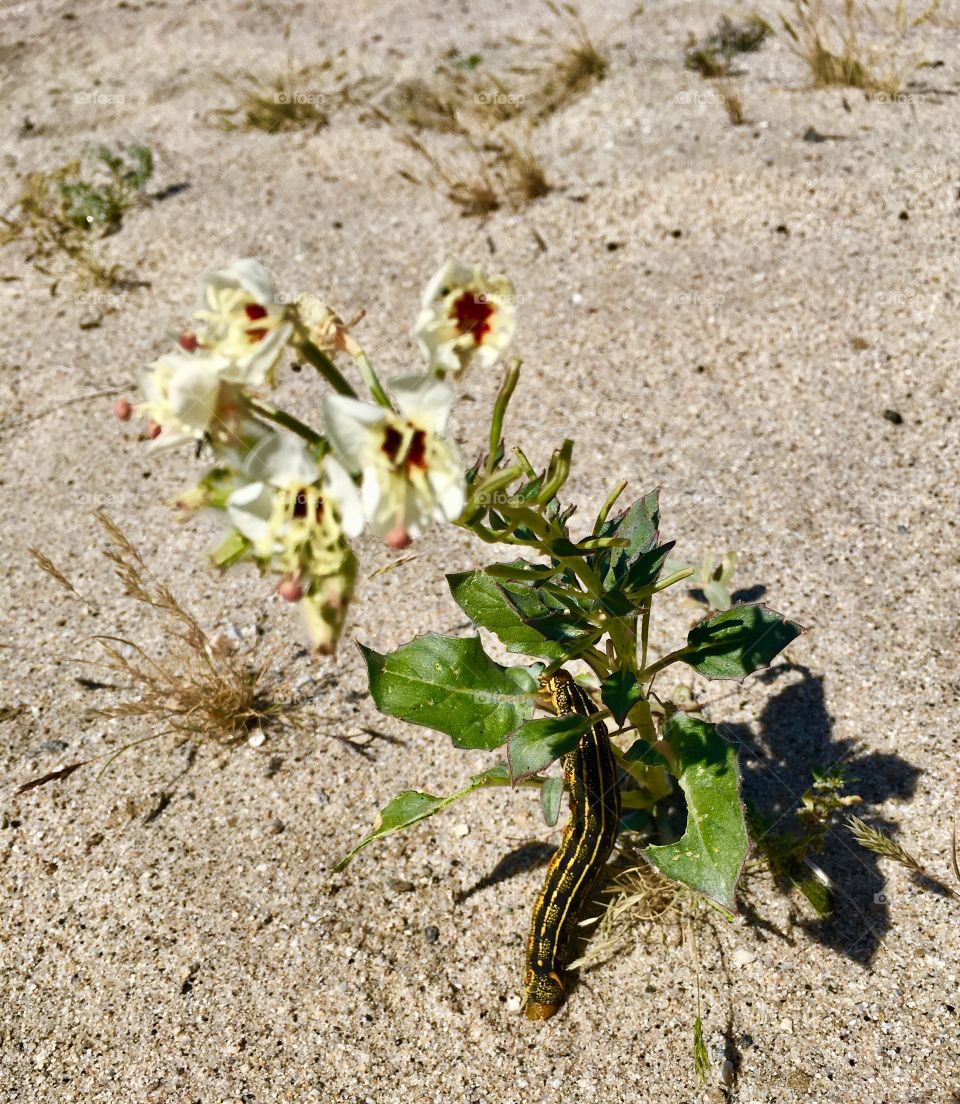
{"x":204,"y":689}
{"x":282,"y":104}
{"x":881,"y":844}
{"x":732,"y":104}
{"x":63,"y":211}
{"x":578,"y":67}
{"x":640,"y":896}
{"x":200,"y":689}
{"x":831,"y":43}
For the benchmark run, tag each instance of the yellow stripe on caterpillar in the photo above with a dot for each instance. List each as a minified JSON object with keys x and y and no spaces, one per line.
{"x":588,"y":837}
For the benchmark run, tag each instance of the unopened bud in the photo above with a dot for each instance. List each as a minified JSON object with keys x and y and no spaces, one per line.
{"x":123,"y":410}
{"x":290,"y":589}
{"x":398,"y":538}
{"x":154,"y":431}
{"x":188,"y":341}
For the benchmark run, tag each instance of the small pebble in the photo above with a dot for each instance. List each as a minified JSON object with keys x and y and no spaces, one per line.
{"x":400,"y":885}
{"x":461,"y":830}
{"x":894,"y":417}
{"x":786,"y":1026}
{"x":743,"y":957}
{"x":431,"y":933}
{"x":258,"y":739}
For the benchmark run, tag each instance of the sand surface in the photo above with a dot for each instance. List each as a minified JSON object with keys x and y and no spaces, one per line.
{"x":728,"y":311}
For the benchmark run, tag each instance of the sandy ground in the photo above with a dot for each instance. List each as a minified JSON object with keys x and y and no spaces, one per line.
{"x":726,"y":310}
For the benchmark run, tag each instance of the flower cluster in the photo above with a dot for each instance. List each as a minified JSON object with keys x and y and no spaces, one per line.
{"x":296,"y":496}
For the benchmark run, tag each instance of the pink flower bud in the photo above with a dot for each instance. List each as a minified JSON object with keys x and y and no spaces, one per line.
{"x":290,"y":589}
{"x":398,"y":538}
{"x":188,"y":341}
{"x":154,"y":431}
{"x":123,"y":410}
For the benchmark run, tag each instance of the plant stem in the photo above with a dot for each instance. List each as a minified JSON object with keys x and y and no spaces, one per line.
{"x":655,"y":668}
{"x":500,"y":409}
{"x":371,"y":380}
{"x":325,"y":366}
{"x":288,"y":421}
{"x":608,"y":505}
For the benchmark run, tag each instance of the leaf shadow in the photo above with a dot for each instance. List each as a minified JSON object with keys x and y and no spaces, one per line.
{"x":795,"y":735}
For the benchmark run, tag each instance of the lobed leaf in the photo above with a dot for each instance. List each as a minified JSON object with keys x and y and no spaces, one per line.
{"x":451,"y":685}
{"x":412,"y":806}
{"x":737,"y":642}
{"x":539,"y":743}
{"x":620,"y":692}
{"x":710,"y":854}
{"x":638,"y":525}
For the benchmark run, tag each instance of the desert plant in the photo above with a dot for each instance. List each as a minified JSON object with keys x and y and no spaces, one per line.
{"x":830,"y":39}
{"x":202,"y":688}
{"x":62,"y":211}
{"x":712,"y":57}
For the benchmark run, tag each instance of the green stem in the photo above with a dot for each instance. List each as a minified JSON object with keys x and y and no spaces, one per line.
{"x":371,"y":380}
{"x":608,"y":505}
{"x":655,"y":668}
{"x":644,"y":635}
{"x":500,"y":409}
{"x":288,"y":421}
{"x":325,"y":366}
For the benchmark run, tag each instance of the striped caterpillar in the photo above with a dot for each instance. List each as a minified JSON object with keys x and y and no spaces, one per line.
{"x":590,"y":771}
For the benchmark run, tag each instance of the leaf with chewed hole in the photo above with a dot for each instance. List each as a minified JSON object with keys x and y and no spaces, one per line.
{"x":710,"y":854}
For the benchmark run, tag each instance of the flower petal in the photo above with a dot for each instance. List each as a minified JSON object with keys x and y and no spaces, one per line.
{"x":424,"y":399}
{"x":343,"y":491}
{"x":282,"y":460}
{"x":349,"y":424}
{"x":246,"y":273}
{"x":249,"y":508}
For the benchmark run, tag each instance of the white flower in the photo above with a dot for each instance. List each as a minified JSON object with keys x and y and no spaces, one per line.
{"x":297,"y":514}
{"x":242,"y":321}
{"x":465,"y":316}
{"x":410,"y":472}
{"x":183,"y":396}
{"x":285,"y":515}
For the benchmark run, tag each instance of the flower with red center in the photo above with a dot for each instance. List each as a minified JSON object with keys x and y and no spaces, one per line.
{"x":466,"y":317}
{"x":297,"y":514}
{"x":410,"y":473}
{"x":241,"y":319}
{"x":185,"y":396}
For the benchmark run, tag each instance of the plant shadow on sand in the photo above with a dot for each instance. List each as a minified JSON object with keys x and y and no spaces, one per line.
{"x":795,"y":736}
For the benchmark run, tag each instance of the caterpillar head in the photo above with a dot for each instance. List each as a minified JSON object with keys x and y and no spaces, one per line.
{"x":544,"y":994}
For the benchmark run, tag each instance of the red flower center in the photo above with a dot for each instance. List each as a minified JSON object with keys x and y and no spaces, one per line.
{"x":471,"y":314}
{"x":255,"y":312}
{"x":416,"y":454}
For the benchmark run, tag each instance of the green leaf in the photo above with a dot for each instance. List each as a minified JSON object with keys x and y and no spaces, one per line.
{"x":230,"y":550}
{"x":539,"y":743}
{"x":503,"y":607}
{"x":645,"y":570}
{"x":717,"y":595}
{"x":551,"y":793}
{"x":411,"y":806}
{"x":710,"y":854}
{"x":620,"y":692}
{"x":638,"y":525}
{"x":733,"y":644}
{"x":453,"y":686}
